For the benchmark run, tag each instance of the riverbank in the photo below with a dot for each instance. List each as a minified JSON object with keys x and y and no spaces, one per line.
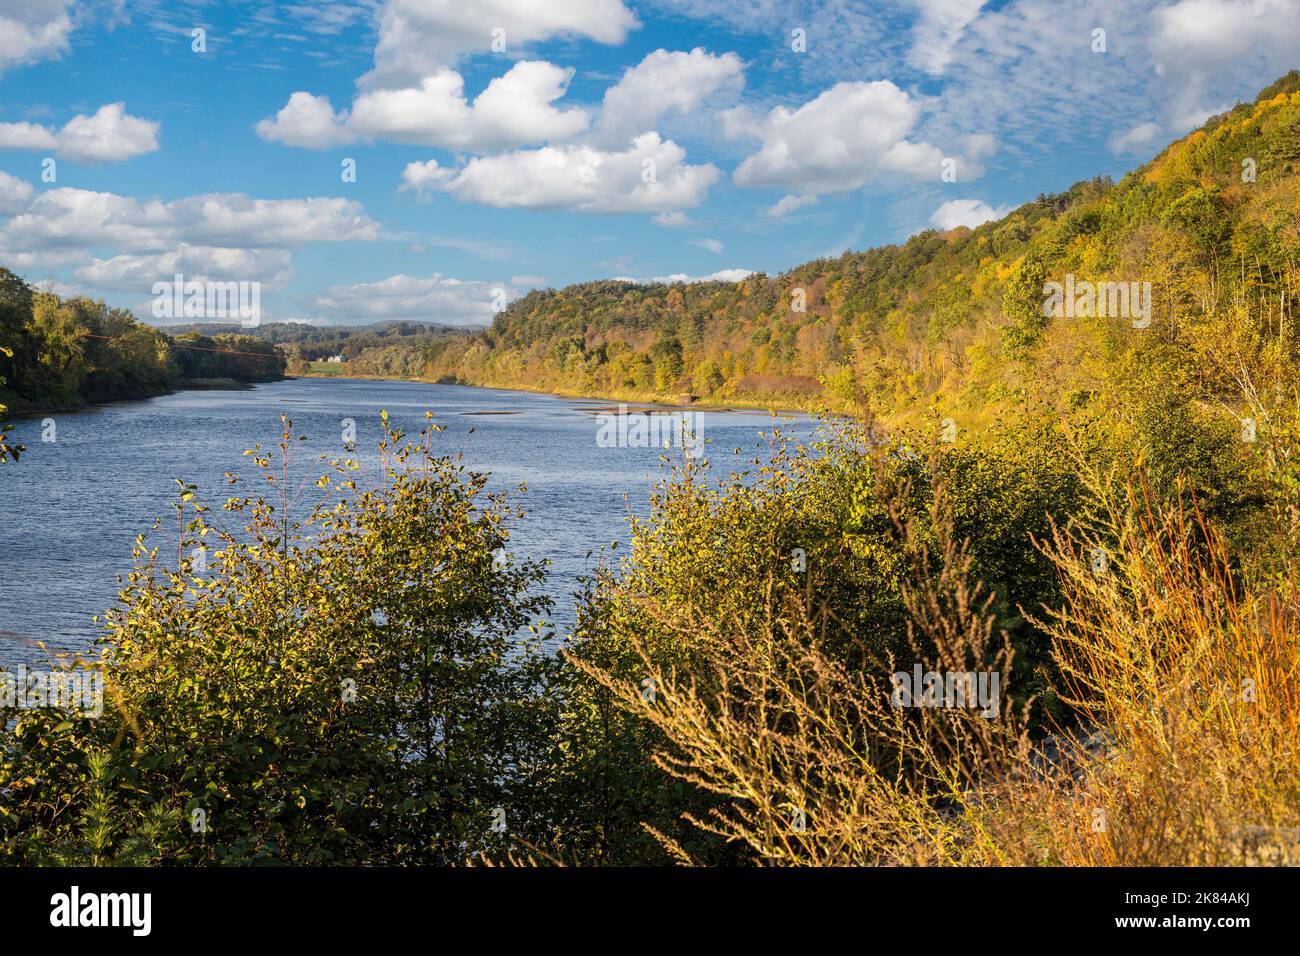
{"x":19,"y":412}
{"x":639,"y":399}
{"x":214,"y":384}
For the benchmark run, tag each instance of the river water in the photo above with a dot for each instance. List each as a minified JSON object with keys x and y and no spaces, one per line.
{"x":71,"y":508}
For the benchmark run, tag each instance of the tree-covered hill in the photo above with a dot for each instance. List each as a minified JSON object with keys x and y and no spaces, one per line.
{"x":65,"y":352}
{"x":952,"y":324}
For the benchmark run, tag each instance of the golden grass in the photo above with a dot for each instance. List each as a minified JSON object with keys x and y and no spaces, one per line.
{"x":1181,"y":676}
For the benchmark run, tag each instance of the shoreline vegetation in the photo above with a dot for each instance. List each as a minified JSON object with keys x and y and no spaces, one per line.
{"x":1053,"y":618}
{"x":606,"y":400}
{"x":185,"y":385}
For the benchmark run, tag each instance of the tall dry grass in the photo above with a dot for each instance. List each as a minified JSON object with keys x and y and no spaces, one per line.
{"x":1191,"y":670}
{"x":1181,"y":676}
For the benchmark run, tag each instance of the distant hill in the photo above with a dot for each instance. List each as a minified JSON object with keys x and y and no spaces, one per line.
{"x":306,"y":332}
{"x":396,"y":349}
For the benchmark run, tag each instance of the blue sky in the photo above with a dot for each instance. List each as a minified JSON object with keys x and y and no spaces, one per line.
{"x":483,"y":171}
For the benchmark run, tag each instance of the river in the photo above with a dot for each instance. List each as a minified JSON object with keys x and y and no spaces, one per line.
{"x":71,"y":508}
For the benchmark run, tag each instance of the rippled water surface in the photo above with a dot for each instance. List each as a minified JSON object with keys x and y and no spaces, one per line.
{"x":71,"y":509}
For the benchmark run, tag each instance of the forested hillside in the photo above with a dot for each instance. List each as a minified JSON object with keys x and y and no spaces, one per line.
{"x":63,"y":353}
{"x":952,"y":323}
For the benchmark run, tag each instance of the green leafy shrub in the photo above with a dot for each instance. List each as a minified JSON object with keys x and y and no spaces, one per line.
{"x":360,"y":685}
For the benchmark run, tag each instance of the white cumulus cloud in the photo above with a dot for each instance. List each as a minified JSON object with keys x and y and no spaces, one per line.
{"x":965,"y":212}
{"x":434,"y":298}
{"x":665,"y":82}
{"x":32,"y":30}
{"x":115,"y":239}
{"x":843,"y":139}
{"x":15,"y":194}
{"x":417,"y":37}
{"x":137,"y":273}
{"x":108,"y":135}
{"x":651,"y":175}
{"x":308,"y":121}
{"x":1200,"y":46}
{"x":514,"y":110}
